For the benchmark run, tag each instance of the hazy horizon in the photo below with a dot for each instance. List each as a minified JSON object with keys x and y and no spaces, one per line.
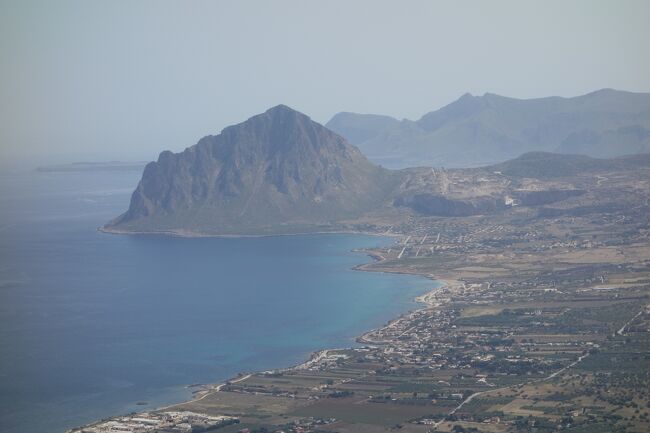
{"x":124,"y":81}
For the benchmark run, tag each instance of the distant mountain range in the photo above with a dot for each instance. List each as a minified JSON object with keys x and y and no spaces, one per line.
{"x":280,"y":172}
{"x":481,"y":130}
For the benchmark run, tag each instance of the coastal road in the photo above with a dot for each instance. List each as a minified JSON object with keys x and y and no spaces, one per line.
{"x":622,"y":330}
{"x":218,"y":387}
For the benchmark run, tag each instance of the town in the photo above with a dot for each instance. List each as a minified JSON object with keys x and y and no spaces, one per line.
{"x":163,"y":422}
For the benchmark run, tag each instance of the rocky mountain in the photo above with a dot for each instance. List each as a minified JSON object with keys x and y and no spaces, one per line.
{"x":276,"y":172}
{"x":480,"y":130}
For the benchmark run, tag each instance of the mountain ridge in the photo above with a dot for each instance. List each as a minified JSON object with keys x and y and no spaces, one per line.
{"x":487,"y":129}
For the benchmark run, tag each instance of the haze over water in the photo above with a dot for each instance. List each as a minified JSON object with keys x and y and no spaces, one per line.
{"x":91,"y":323}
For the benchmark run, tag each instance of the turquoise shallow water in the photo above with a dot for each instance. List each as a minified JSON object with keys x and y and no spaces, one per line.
{"x":92,"y":323}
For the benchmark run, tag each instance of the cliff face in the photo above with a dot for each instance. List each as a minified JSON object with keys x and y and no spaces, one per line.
{"x":277,"y":169}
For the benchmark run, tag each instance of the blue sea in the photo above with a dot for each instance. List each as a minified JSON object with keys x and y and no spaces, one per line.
{"x":93,"y":323}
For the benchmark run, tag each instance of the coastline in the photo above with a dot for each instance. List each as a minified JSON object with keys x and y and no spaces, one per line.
{"x":193,"y":234}
{"x":205,"y":390}
{"x":426,"y":299}
{"x":314,"y":357}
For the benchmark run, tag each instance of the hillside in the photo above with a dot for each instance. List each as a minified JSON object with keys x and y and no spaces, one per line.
{"x":544,"y":165}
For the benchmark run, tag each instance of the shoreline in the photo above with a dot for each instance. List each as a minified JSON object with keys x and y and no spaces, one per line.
{"x":193,"y":235}
{"x":315,"y":356}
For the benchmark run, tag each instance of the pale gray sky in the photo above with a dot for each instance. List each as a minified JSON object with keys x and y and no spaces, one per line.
{"x":128,"y":79}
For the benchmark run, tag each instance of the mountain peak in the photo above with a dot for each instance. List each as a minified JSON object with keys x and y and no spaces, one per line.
{"x":283,"y":112}
{"x":604,"y":90}
{"x":280,"y":113}
{"x":465,"y":106}
{"x":282,"y":108}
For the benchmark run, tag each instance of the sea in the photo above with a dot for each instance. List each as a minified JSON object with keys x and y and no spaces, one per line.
{"x":94,"y":325}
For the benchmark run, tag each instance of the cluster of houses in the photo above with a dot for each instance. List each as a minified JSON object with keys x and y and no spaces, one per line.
{"x":158,"y":422}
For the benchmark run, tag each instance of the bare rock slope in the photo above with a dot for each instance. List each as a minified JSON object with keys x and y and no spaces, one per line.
{"x":278,"y":171}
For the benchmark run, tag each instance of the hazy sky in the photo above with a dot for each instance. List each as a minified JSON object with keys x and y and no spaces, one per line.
{"x":127,"y":79}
